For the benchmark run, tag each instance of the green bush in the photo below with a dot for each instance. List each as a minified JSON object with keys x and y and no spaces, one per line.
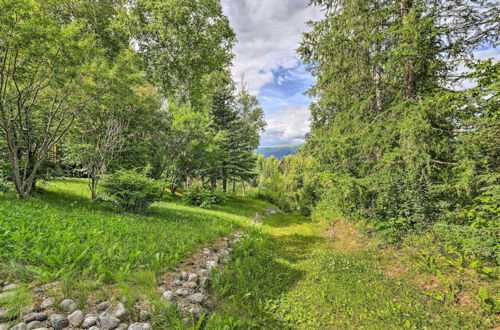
{"x":131,"y":190}
{"x":197,"y":195}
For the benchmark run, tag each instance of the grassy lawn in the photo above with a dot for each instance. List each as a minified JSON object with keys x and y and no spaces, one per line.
{"x":97,"y":250}
{"x":292,"y":273}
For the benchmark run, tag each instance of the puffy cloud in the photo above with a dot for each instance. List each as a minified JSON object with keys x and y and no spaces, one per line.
{"x":286,"y":126}
{"x":268,"y":34}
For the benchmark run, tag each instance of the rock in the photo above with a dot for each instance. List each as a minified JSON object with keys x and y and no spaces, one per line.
{"x":28,"y":309}
{"x":35,"y":317}
{"x":122,"y":326}
{"x":34,"y":325}
{"x":140,"y":326}
{"x":184,"y":276}
{"x":205,"y":273}
{"x":90,"y":320}
{"x":182,"y":292}
{"x":211,"y":264}
{"x":191,"y":285}
{"x":19,"y":326}
{"x":68,"y":305}
{"x":168,"y":295}
{"x":7,"y":294}
{"x":7,"y":315}
{"x":177,"y":283}
{"x":42,"y":329}
{"x":47,"y":303}
{"x":108,"y":321}
{"x":11,"y":287}
{"x":197,"y":311}
{"x":192,"y":278}
{"x":58,"y":321}
{"x":4,"y":327}
{"x":46,"y":287}
{"x":76,"y":318}
{"x":207,"y":252}
{"x":144,"y":315}
{"x":120,"y":311}
{"x":196,"y":298}
{"x":203,"y":282}
{"x":94,"y":328}
{"x":103,"y":306}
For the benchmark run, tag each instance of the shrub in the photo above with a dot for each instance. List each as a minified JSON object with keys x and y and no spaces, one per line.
{"x":131,"y":190}
{"x":197,"y":195}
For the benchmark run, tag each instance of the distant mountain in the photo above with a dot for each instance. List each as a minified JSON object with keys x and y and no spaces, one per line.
{"x":277,"y":151}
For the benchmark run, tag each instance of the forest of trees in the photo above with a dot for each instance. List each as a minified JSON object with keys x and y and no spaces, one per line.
{"x":91,"y":87}
{"x":399,"y":139}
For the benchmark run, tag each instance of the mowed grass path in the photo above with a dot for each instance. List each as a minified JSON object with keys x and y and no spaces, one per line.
{"x":61,"y":232}
{"x":295,"y":274}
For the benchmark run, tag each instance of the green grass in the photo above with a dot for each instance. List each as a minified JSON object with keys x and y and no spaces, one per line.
{"x":287,"y":275}
{"x":61,"y":232}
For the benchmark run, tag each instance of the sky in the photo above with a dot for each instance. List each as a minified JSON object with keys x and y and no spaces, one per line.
{"x":269,"y":32}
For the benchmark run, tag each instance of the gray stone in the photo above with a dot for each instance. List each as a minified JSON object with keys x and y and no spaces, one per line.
{"x":192,"y":278}
{"x":4,"y":327}
{"x":90,"y":320}
{"x":47,"y":303}
{"x":211,"y":264}
{"x":68,"y":305}
{"x":205,"y":273}
{"x":140,"y":326}
{"x":191,"y":285}
{"x":196,"y":298}
{"x":184,"y":276}
{"x":11,"y":287}
{"x":19,"y":326}
{"x":7,"y":294}
{"x":42,"y":329}
{"x":120,"y":311}
{"x":103,"y":306}
{"x":122,"y":326}
{"x":203,"y":282}
{"x":168,"y":295}
{"x":46,"y":287}
{"x":28,"y":309}
{"x":207,"y":252}
{"x":182,"y":292}
{"x":108,"y":321}
{"x":76,"y":318}
{"x":7,"y":315}
{"x":144,"y":315}
{"x":58,"y":321}
{"x":94,"y":328}
{"x":196,"y":311}
{"x":35,"y":317}
{"x":34,"y":325}
{"x":177,"y":283}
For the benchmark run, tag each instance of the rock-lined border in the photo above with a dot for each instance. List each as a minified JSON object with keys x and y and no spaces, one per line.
{"x":187,"y":288}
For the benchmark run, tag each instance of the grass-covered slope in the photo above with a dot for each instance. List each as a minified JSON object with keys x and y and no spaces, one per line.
{"x":61,"y":232}
{"x":295,"y":274}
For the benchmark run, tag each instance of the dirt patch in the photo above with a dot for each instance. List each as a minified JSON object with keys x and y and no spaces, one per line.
{"x":396,"y":271}
{"x":345,"y":237}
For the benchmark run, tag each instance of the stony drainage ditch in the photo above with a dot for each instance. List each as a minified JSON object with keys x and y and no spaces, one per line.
{"x":187,"y":288}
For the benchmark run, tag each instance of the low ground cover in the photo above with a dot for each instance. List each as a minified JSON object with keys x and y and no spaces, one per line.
{"x":293,"y":273}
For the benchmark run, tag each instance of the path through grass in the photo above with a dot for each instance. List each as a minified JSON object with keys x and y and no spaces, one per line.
{"x":292,"y":273}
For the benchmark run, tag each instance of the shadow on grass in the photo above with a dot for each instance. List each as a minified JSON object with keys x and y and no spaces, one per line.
{"x":261,"y":271}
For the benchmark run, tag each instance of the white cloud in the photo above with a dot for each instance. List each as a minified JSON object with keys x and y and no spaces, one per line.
{"x":287,"y":126}
{"x":268,"y":34}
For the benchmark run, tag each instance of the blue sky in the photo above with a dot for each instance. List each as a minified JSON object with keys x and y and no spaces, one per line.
{"x":269,"y":32}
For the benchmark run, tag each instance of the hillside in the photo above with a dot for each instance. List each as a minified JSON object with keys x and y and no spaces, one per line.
{"x":278,"y":151}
